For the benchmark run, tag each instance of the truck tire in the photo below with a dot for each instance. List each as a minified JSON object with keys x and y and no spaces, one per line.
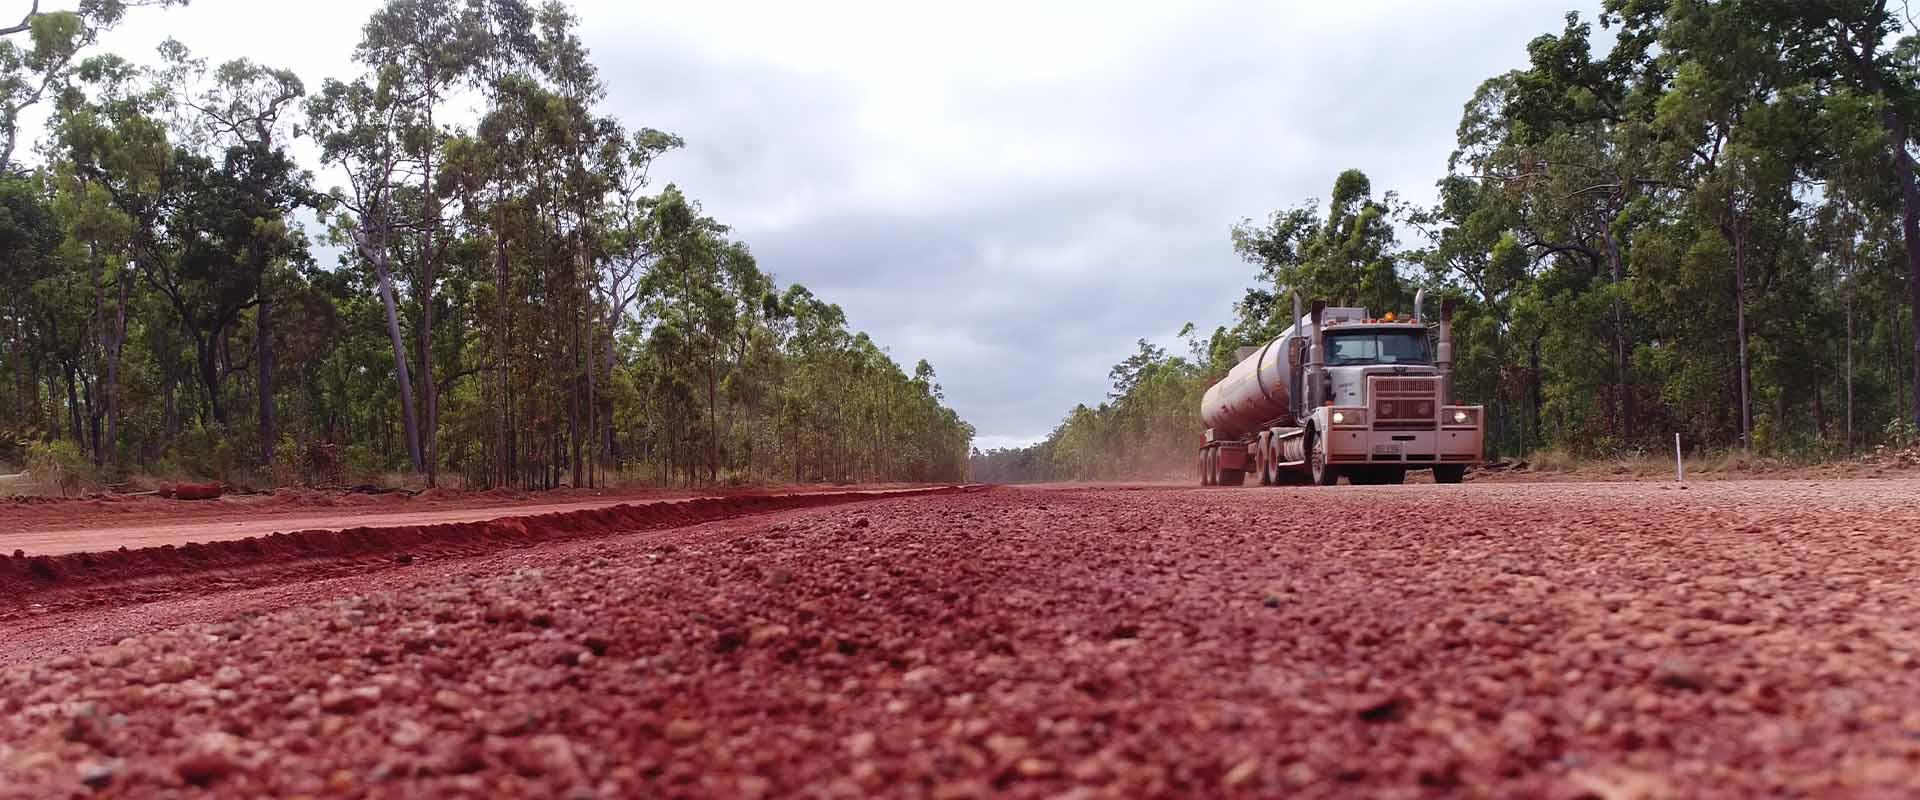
{"x":1449,"y":473}
{"x":1319,"y":471}
{"x":1206,"y":471}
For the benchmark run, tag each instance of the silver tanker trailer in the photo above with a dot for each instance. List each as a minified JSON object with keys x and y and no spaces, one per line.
{"x":1340,"y":393}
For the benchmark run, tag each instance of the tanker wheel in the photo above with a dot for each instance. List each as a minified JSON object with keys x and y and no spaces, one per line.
{"x":1264,"y":460}
{"x":1318,"y":470}
{"x":1206,"y":478}
{"x":1449,"y":473}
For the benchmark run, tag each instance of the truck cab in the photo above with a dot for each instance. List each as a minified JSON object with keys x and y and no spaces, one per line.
{"x":1383,"y":406}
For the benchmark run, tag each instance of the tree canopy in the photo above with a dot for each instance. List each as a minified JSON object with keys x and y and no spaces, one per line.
{"x":1710,"y":228}
{"x":492,"y":300}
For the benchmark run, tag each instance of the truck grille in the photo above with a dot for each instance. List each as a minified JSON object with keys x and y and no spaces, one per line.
{"x":1405,"y":404}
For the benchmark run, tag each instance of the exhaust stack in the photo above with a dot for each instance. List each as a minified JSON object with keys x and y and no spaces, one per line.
{"x":1444,"y":359}
{"x":1319,"y":359}
{"x":1299,"y":372}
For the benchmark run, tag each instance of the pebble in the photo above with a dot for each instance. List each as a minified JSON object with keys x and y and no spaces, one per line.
{"x":206,"y":768}
{"x":1679,"y":673}
{"x":350,"y":701}
{"x":683,"y":730}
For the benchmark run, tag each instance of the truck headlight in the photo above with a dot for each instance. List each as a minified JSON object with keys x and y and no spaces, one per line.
{"x":1461,"y":417}
{"x":1339,"y":418}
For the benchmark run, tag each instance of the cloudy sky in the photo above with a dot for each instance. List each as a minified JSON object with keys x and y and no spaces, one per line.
{"x":1015,"y":191}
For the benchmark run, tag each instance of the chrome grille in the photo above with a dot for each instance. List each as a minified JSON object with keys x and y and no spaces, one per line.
{"x":1405,"y":404}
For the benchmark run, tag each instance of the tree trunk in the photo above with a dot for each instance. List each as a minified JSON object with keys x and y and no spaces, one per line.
{"x":209,"y":363}
{"x":407,"y":418}
{"x":593,"y":410}
{"x":1740,"y":331}
{"x":73,"y":408}
{"x":503,"y":468}
{"x":1910,"y":229}
{"x":429,"y":279}
{"x":1849,"y":366}
{"x":116,"y":345}
{"x":1623,"y":384}
{"x":263,"y":356}
{"x":169,"y":405}
{"x":713,"y":427}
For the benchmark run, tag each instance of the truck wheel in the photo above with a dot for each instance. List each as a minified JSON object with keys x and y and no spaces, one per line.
{"x":1449,"y":473}
{"x":1206,"y":474}
{"x":1320,"y":472}
{"x":1265,"y":459}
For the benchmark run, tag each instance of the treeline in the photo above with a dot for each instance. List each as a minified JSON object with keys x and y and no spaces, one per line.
{"x":513,"y":304}
{"x":1712,"y":228}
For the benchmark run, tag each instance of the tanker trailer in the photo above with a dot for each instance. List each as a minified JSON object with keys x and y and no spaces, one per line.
{"x":1341,"y":393}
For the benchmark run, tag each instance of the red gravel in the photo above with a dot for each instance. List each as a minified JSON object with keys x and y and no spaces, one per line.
{"x":1607,"y":641}
{"x":35,"y":584}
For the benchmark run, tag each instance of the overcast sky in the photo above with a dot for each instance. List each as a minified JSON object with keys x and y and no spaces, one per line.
{"x":1014,"y":191}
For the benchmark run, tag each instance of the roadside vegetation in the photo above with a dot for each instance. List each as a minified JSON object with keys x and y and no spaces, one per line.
{"x":500,"y":300}
{"x":1700,"y":219}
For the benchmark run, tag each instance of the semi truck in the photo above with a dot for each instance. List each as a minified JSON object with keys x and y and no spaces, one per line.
{"x":1341,"y":393}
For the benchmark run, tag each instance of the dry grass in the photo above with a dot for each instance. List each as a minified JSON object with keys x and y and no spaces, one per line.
{"x":1733,"y":463}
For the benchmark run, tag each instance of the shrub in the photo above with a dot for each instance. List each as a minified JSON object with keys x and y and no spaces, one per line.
{"x":60,"y":466}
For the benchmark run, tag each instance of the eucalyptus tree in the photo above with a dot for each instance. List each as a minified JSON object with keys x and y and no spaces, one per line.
{"x":421,"y":51}
{"x":108,"y":154}
{"x":44,"y":66}
{"x":359,"y":128}
{"x":1869,"y":56}
{"x":242,"y":112}
{"x":1346,"y":257}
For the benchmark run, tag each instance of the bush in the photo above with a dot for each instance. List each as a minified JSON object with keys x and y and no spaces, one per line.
{"x":60,"y":466}
{"x":285,"y":469}
{"x":202,"y":453}
{"x":1901,"y":434}
{"x":361,"y":465}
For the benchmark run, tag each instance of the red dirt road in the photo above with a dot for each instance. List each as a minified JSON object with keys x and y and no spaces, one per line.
{"x":80,"y":540}
{"x":1733,"y":639}
{"x":53,"y":526}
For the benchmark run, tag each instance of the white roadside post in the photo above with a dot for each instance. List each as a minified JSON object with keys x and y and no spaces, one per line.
{"x":1679,"y":467}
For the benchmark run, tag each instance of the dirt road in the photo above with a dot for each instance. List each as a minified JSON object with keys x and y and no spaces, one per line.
{"x":54,"y":526}
{"x":1733,"y":639}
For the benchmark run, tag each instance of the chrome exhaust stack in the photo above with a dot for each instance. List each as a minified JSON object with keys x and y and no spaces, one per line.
{"x":1319,"y":359}
{"x":1444,"y":358}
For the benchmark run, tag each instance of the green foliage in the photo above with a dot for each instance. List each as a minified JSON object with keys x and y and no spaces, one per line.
{"x":1346,"y":257}
{"x":1147,"y":429}
{"x":202,"y":452}
{"x":60,"y":466}
{"x":1901,"y":434}
{"x":1700,"y":230}
{"x":515,"y":305}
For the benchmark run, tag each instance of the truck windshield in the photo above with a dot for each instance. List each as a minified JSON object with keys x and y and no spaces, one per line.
{"x":1377,"y":347}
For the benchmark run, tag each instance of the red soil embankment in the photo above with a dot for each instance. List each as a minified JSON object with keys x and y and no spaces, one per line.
{"x":22,"y":577}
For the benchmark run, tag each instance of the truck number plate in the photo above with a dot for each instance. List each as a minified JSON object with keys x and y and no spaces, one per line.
{"x":1386,"y":449}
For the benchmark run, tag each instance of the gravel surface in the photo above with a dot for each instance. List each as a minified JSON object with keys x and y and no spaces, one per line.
{"x":1737,"y":639}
